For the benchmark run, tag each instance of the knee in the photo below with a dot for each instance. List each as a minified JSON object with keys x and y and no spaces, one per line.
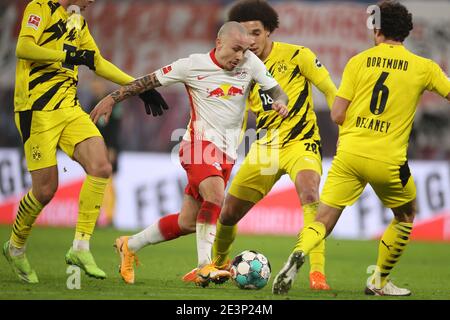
{"x":45,"y":193}
{"x":215,"y":197}
{"x":101,"y":169}
{"x":405,"y":217}
{"x":309,"y":195}
{"x":406,"y":213}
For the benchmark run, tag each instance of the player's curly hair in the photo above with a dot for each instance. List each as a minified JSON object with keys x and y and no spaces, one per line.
{"x":396,"y":20}
{"x":250,"y":10}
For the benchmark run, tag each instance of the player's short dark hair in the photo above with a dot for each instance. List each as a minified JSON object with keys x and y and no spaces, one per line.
{"x":251,"y":10}
{"x":396,"y":20}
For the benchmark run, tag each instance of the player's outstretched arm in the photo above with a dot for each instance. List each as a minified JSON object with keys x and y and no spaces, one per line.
{"x":136,"y":87}
{"x":27,"y":49}
{"x":339,"y":110}
{"x":329,"y":90}
{"x":104,"y":107}
{"x":280,"y":99}
{"x":153,"y":101}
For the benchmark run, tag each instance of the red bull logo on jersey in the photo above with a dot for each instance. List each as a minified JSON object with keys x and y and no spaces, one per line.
{"x":166,"y":69}
{"x":226,"y":91}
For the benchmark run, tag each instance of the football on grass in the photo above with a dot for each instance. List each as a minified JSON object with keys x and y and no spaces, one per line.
{"x":250,"y":270}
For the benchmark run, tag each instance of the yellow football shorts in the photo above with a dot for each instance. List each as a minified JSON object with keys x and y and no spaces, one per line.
{"x":43,"y":132}
{"x":349,"y":174}
{"x":263,"y":166}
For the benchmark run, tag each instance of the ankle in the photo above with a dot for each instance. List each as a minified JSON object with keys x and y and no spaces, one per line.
{"x":16,"y":251}
{"x":80,"y":245}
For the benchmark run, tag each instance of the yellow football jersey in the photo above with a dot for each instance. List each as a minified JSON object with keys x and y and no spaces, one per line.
{"x":295,"y":68}
{"x":384,"y":85}
{"x":50,"y":86}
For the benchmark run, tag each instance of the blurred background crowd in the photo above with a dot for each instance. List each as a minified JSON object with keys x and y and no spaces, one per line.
{"x":140,"y":36}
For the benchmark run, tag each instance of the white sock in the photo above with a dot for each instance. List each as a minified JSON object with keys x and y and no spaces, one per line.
{"x":14,"y":251}
{"x":206,"y":234}
{"x":150,"y":235}
{"x":80,"y":245}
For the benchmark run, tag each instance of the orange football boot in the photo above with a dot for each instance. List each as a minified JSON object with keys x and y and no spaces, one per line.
{"x":127,"y":259}
{"x":317,"y":281}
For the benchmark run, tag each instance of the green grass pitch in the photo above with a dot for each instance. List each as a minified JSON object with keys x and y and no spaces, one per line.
{"x":424,"y":269}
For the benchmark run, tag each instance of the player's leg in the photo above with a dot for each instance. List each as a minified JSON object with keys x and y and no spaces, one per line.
{"x":307,"y":185}
{"x":40,"y":132}
{"x":342,"y":188}
{"x":392,"y":245}
{"x":308,"y":239}
{"x":397,"y":191}
{"x":91,"y":154}
{"x":251,"y":183}
{"x":233,"y":210}
{"x":304,"y":164}
{"x":207,"y":173}
{"x":168,"y":227}
{"x":109,"y":199}
{"x":212,"y":191}
{"x":165,"y":229}
{"x":82,"y":141}
{"x":210,"y":195}
{"x":44,"y":185}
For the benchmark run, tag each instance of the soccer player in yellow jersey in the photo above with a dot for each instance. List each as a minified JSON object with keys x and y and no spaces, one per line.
{"x":375,"y":108}
{"x":284,"y":146}
{"x":54,"y":40}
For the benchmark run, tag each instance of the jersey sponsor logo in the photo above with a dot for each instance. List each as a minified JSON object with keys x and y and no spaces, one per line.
{"x":226,"y":91}
{"x":234,"y":91}
{"x":166,"y":69}
{"x":202,"y":77}
{"x":34,"y":21}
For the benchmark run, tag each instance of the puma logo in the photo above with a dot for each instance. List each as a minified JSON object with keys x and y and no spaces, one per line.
{"x":315,"y":231}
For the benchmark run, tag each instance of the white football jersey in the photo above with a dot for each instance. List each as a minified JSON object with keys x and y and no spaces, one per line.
{"x":217,"y":96}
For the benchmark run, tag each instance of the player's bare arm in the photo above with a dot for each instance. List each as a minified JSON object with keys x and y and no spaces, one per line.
{"x":280,"y":99}
{"x":339,"y":110}
{"x":104,"y":107}
{"x":136,"y":87}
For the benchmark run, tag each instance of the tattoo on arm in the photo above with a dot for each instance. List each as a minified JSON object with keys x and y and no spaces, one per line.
{"x":136,"y":87}
{"x":277,"y":94}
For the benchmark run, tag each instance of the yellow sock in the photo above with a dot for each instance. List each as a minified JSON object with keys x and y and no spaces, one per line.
{"x":310,"y":237}
{"x":29,"y":209}
{"x":109,"y":201}
{"x":91,"y":198}
{"x":390,"y":249}
{"x":317,"y":255}
{"x":225,"y":236}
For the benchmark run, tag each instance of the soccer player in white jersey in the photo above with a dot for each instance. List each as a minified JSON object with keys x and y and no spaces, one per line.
{"x":218,"y":84}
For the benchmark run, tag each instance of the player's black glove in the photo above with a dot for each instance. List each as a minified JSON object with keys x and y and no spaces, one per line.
{"x":81,"y":57}
{"x":154,"y":102}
